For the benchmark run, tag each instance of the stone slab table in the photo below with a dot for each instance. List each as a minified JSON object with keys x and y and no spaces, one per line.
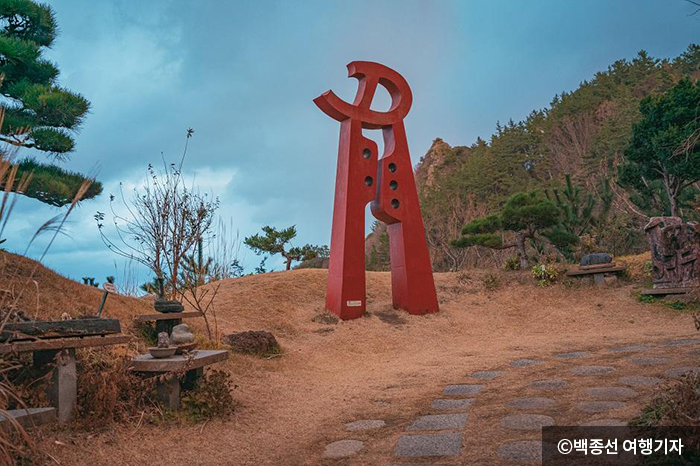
{"x":193,"y":363}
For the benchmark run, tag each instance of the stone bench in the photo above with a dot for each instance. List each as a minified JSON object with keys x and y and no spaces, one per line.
{"x":193,"y":363}
{"x":598,"y":271}
{"x":63,"y":384}
{"x":28,"y":417}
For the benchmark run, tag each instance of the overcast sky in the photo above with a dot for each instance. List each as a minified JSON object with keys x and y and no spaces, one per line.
{"x":243,"y":75}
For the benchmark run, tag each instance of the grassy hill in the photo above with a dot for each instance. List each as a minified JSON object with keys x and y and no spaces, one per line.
{"x":582,"y":133}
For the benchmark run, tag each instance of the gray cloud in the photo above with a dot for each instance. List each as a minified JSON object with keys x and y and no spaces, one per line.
{"x":243,"y":75}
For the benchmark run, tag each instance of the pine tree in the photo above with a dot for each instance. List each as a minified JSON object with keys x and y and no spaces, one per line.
{"x":579,"y":214}
{"x":40,"y":114}
{"x":275,"y":242}
{"x":526,"y":215}
{"x":664,"y":151}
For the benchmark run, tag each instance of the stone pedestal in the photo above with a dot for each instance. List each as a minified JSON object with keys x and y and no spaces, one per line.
{"x":63,"y":385}
{"x":169,"y":393}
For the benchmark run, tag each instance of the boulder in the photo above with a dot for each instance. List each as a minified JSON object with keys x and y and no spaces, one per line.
{"x":181,"y":335}
{"x":252,"y":342}
{"x":596,"y":258}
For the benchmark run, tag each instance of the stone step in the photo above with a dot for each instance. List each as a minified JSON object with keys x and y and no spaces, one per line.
{"x":28,"y":417}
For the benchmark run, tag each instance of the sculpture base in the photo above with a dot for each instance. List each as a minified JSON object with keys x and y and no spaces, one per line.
{"x":666,"y":291}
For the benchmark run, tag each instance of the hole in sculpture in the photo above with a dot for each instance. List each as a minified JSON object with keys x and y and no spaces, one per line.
{"x":382,"y":100}
{"x":393,"y":185}
{"x":366,"y":153}
{"x":395,"y":203}
{"x":369,"y":181}
{"x":392,"y":167}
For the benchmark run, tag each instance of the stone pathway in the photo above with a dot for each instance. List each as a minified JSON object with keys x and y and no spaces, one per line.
{"x":495,"y":415}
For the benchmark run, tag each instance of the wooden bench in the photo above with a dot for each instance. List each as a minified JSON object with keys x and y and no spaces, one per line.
{"x":193,"y":363}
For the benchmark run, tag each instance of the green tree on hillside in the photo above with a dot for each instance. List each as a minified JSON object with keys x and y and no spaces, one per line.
{"x":526,"y":215}
{"x":663,"y":153}
{"x":580,"y":213}
{"x":39,"y":113}
{"x":275,"y":242}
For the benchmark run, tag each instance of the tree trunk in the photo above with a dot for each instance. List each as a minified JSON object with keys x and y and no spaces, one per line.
{"x":672,"y":192}
{"x":522,"y":251}
{"x":673,"y":201}
{"x":289,"y":262}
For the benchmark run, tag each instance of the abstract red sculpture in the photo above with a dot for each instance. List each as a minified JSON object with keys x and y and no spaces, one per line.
{"x":387,"y":183}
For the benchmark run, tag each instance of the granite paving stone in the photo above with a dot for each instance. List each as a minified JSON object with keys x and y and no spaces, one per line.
{"x":649,"y":361}
{"x":526,"y":421}
{"x":574,"y":354}
{"x":522,"y":451}
{"x":610,"y":393}
{"x":685,"y":341}
{"x":525,"y":362}
{"x":429,"y":445}
{"x":446,"y":403}
{"x":592,"y":370}
{"x":486,"y":375}
{"x":629,"y":349}
{"x":553,"y":384}
{"x":599,"y":406}
{"x":604,"y":423}
{"x":439,"y":422}
{"x":677,"y":372}
{"x":365,"y":424}
{"x":462,"y":389}
{"x":640,"y":381}
{"x":532,"y":403}
{"x":342,"y":448}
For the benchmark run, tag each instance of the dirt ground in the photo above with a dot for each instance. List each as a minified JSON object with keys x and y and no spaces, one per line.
{"x":383,"y":366}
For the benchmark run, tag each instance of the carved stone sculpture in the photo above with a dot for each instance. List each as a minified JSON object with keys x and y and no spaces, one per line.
{"x":163,"y":340}
{"x":675,"y":250}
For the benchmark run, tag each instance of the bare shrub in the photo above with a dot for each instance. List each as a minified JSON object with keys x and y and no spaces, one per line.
{"x":212,"y":398}
{"x":491,"y":282}
{"x":161,"y":223}
{"x":223,"y":250}
{"x":108,"y":391}
{"x":216,"y":258}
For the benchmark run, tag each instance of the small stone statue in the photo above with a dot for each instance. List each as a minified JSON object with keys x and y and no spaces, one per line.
{"x":163,"y":340}
{"x":675,"y":252}
{"x":181,"y":335}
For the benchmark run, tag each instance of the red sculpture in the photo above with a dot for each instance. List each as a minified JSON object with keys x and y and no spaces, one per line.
{"x":387,"y":183}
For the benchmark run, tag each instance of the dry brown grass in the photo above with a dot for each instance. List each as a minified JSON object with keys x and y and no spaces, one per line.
{"x":637,"y":268}
{"x":291,"y":406}
{"x":49,"y":294}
